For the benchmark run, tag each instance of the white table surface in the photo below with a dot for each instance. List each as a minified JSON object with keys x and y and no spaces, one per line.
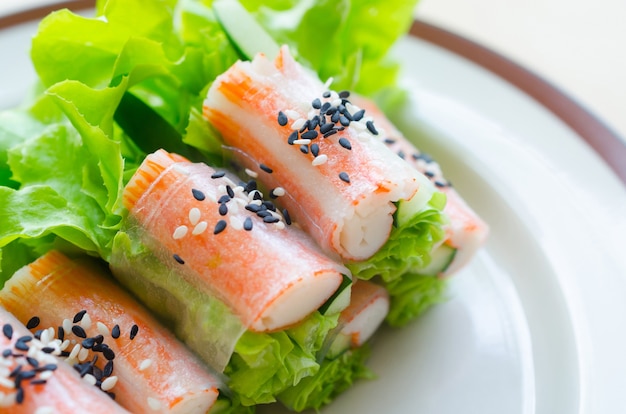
{"x":577,"y":45}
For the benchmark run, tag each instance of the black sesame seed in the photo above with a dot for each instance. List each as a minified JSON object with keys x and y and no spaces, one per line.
{"x":265,"y":168}
{"x":48,"y":367}
{"x":286,"y":216}
{"x":325,"y":107}
{"x":33,"y":322}
{"x":98,"y":339}
{"x":439,"y":184}
{"x":253,"y":208}
{"x":332,"y":110}
{"x":331,"y":132}
{"x":370,"y":126}
{"x":115,"y":332}
{"x":263,"y":213}
{"x":224,"y":199}
{"x":219,"y":227}
{"x":401,"y":154}
{"x":79,"y":316}
{"x":389,"y":141}
{"x":271,"y":219}
{"x":22,"y":346}
{"x":178,"y":259}
{"x":64,"y":354}
{"x":47,"y":349}
{"x":292,"y":137}
{"x":223,"y":209}
{"x":314,"y":122}
{"x":15,"y":371}
{"x":429,"y":174}
{"x":38,"y":333}
{"x":309,"y":135}
{"x":343,"y":120}
{"x":326,"y":94}
{"x":230,"y":191}
{"x":344,"y":176}
{"x":111,"y":394}
{"x":358,"y":115}
{"x":247,"y":224}
{"x":25,"y":338}
{"x":108,"y":369}
{"x":305,"y":126}
{"x":88,"y":343}
{"x":250,"y":186}
{"x":7,"y":353}
{"x":197,"y":194}
{"x":317,"y":104}
{"x":282,"y":118}
{"x":269,"y":205}
{"x":25,"y":375}
{"x":108,"y":354}
{"x":38,"y":381}
{"x":32,"y":362}
{"x":79,"y":331}
{"x":133,"y":332}
{"x":348,"y":116}
{"x":344,"y":94}
{"x":344,"y":142}
{"x":218,"y":174}
{"x":257,"y":196}
{"x":61,"y":333}
{"x":304,"y":149}
{"x":315,"y":150}
{"x":326,"y":127}
{"x":7,"y":330}
{"x":335,"y":117}
{"x":97,"y":372}
{"x":19,"y":395}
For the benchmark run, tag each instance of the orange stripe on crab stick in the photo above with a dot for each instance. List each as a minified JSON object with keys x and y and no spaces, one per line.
{"x":152,"y":370}
{"x":50,"y":387}
{"x":271,"y":276}
{"x":341,"y":184}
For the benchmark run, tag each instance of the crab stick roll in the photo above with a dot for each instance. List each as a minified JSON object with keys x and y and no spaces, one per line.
{"x":340,"y":183}
{"x":34,"y":380}
{"x":466,"y":232}
{"x":107,"y":337}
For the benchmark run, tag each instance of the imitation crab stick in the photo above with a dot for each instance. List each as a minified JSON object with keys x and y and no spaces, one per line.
{"x":34,"y":380}
{"x":340,"y":182}
{"x":237,"y":247}
{"x":119,"y":346}
{"x":466,"y":232}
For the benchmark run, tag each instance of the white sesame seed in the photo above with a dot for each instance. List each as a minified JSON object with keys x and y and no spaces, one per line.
{"x":102,"y":328}
{"x":67,"y":325}
{"x":89,"y":379}
{"x":154,"y":404}
{"x":257,"y":202}
{"x":45,"y":410}
{"x":194,"y":216}
{"x":64,"y":345}
{"x":45,"y":375}
{"x":86,"y":321}
{"x":179,"y":233}
{"x":74,"y":353}
{"x":320,"y":159}
{"x":108,"y":383}
{"x":334,"y":95}
{"x":251,"y":173}
{"x":280,"y":225}
{"x":359,"y":126}
{"x":278,"y":191}
{"x":7,"y":400}
{"x":32,"y":350}
{"x":298,"y":123}
{"x":328,"y":82}
{"x":145,"y":364}
{"x":302,"y":142}
{"x":7,"y":383}
{"x":200,"y":228}
{"x":236,"y":223}
{"x":311,"y":114}
{"x":44,"y":337}
{"x":292,"y":114}
{"x":83,"y":354}
{"x":336,"y":102}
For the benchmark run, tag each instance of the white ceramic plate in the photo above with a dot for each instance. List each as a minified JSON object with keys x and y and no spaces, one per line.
{"x":534,"y":324}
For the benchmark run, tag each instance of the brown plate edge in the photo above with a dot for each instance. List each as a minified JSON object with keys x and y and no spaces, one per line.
{"x":606,"y":142}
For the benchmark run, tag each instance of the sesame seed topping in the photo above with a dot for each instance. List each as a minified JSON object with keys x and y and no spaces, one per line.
{"x":79,"y":331}
{"x":79,"y":316}
{"x":282,"y":118}
{"x":115,"y":332}
{"x":304,"y":149}
{"x":278,"y":192}
{"x":197,"y":194}
{"x":180,"y":232}
{"x":250,"y":173}
{"x":219,"y":227}
{"x":145,"y":364}
{"x":223,"y":209}
{"x":271,"y":219}
{"x":331,"y":132}
{"x":320,"y":159}
{"x":33,"y":322}
{"x":7,"y":330}
{"x":298,"y":124}
{"x":309,"y":135}
{"x":178,"y":258}
{"x":247,"y":224}
{"x":265,"y":168}
{"x":344,"y":176}
{"x":371,"y":128}
{"x":344,"y":142}
{"x":202,"y":226}
{"x":109,"y":383}
{"x":317,"y":104}
{"x":154,"y":404}
{"x":218,"y":174}
{"x":302,"y":141}
{"x":292,"y":137}
{"x":194,"y":215}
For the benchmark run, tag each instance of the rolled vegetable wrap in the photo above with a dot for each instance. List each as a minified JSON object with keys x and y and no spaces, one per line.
{"x":341,"y":182}
{"x":466,"y":231}
{"x":33,"y":379}
{"x":120,"y":346}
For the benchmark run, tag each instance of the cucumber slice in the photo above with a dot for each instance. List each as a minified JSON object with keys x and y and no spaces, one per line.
{"x":339,"y":300}
{"x":441,"y":259}
{"x":243,"y":30}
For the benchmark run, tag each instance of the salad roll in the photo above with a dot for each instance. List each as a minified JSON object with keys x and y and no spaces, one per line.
{"x":33,"y":379}
{"x":351,"y":193}
{"x":108,"y":337}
